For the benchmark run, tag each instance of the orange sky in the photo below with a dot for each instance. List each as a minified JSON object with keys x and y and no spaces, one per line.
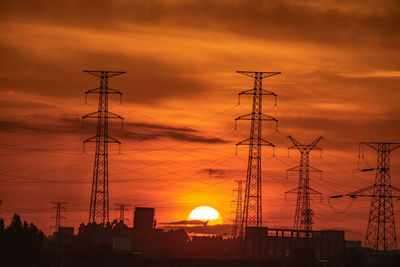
{"x":340,"y":67}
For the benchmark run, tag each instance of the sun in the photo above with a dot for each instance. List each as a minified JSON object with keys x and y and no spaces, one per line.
{"x":206,"y":213}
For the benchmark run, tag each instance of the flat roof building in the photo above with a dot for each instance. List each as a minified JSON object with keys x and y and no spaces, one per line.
{"x":143,"y":219}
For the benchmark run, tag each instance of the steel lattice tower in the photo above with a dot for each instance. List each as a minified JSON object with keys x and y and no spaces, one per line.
{"x":58,"y":207}
{"x":122,"y":207}
{"x":239,"y":209}
{"x":303,"y":219}
{"x":99,"y":200}
{"x":252,"y":206}
{"x":381,"y":231}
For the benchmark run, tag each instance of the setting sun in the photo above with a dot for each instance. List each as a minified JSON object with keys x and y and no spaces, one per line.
{"x":206,"y":213}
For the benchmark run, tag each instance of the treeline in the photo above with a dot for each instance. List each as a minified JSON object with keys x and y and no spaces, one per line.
{"x":20,"y":243}
{"x":23,"y":244}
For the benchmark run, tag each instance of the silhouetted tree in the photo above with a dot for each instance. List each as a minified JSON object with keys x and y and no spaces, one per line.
{"x":2,"y":226}
{"x":94,"y":240}
{"x":21,"y":242}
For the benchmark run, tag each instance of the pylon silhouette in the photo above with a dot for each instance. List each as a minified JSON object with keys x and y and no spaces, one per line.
{"x":99,"y":200}
{"x":252,"y":206}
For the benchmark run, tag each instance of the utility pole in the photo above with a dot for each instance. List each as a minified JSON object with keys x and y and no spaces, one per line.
{"x":303,"y":219}
{"x":239,"y":210}
{"x":252,"y":207}
{"x":99,"y":200}
{"x":58,"y":207}
{"x":381,"y":230}
{"x":122,"y":207}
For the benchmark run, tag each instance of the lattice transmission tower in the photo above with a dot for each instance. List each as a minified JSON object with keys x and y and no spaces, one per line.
{"x":99,"y":200}
{"x":381,"y":230}
{"x":58,"y":207}
{"x":303,"y":218}
{"x":239,"y":209}
{"x":252,"y":206}
{"x":122,"y":207}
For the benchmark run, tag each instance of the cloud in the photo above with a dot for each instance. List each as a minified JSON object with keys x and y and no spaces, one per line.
{"x":157,"y":126}
{"x":22,"y":104}
{"x":175,"y":135}
{"x":150,"y":76}
{"x":11,"y":126}
{"x":215,"y":173}
{"x":328,"y":22}
{"x":132,"y":131}
{"x":185,"y":222}
{"x":373,"y":74}
{"x":351,"y":130}
{"x":9,"y":92}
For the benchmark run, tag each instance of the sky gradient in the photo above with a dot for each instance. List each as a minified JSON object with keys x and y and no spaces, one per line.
{"x":340,"y":65}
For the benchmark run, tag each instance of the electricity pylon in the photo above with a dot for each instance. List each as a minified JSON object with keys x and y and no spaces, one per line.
{"x":381,"y":231}
{"x":239,"y":209}
{"x":58,"y":207}
{"x":99,"y":204}
{"x":122,"y":207}
{"x":303,"y":218}
{"x":252,"y":206}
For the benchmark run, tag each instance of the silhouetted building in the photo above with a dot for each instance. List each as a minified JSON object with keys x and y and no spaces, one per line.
{"x":326,"y":245}
{"x":143,"y":219}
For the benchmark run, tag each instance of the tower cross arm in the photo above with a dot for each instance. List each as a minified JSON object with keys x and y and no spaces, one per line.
{"x":293,"y":191}
{"x":99,"y":73}
{"x":263,"y":74}
{"x":61,"y":207}
{"x":257,"y":91}
{"x":313,"y":191}
{"x":305,"y":148}
{"x":96,"y":115}
{"x":369,"y":192}
{"x":111,"y":115}
{"x":113,"y":91}
{"x":374,"y":145}
{"x":91,"y":115}
{"x":313,"y":144}
{"x":262,"y":142}
{"x":261,"y":117}
{"x":107,"y":90}
{"x":364,"y":192}
{"x":395,"y":146}
{"x":93,"y":91}
{"x":108,"y":139}
{"x":299,"y":168}
{"x":309,"y":189}
{"x":395,"y":191}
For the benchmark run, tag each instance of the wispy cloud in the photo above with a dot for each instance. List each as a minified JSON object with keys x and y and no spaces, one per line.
{"x":158,"y":126}
{"x":373,"y":74}
{"x":215,"y":173}
{"x":185,"y":222}
{"x":132,"y":131}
